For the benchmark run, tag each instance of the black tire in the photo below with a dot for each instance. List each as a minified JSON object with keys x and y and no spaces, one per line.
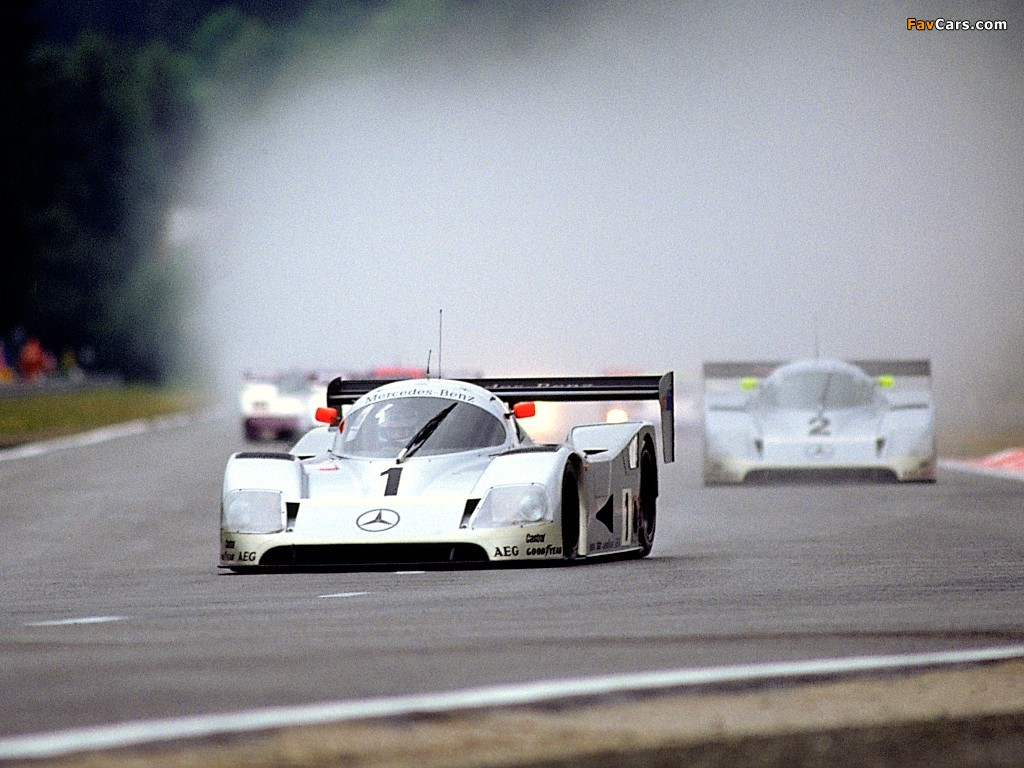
{"x":570,"y":512}
{"x":647,"y":503}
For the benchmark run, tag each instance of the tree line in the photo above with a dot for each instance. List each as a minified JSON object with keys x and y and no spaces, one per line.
{"x":105,"y":106}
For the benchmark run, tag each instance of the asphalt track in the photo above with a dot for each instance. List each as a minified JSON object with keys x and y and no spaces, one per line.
{"x":113,"y":610}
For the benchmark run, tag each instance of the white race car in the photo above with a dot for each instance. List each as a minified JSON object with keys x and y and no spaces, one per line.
{"x":280,"y":406}
{"x":818,"y":419}
{"x":440,"y":471}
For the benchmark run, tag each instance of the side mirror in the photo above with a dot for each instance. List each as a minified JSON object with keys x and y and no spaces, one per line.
{"x":524,"y":410}
{"x":326,"y":415}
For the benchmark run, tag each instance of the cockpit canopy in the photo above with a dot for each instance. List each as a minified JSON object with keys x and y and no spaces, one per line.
{"x":383,"y":428}
{"x":815,"y":386}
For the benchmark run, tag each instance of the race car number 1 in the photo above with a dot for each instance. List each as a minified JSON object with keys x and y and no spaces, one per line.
{"x":393,"y":475}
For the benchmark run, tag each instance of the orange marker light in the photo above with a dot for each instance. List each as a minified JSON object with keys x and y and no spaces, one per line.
{"x":524,"y":410}
{"x":326,"y":415}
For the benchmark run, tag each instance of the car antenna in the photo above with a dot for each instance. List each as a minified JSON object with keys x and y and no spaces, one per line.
{"x":817,"y":340}
{"x":429,"y":352}
{"x":440,"y":327}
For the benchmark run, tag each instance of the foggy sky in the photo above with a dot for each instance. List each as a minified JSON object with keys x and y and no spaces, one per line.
{"x":638,"y":186}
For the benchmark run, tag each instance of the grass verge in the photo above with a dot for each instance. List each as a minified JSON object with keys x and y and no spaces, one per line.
{"x":44,"y":416}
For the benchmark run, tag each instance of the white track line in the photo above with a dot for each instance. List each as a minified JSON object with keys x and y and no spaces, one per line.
{"x":68,"y":622}
{"x":346,"y":594}
{"x":197,"y":726}
{"x":102,"y":435}
{"x":91,"y":437}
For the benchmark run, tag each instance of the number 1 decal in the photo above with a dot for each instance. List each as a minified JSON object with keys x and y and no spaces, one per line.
{"x":393,"y":474}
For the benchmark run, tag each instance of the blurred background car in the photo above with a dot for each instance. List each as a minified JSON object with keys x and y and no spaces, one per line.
{"x":280,"y":406}
{"x":819,"y":420}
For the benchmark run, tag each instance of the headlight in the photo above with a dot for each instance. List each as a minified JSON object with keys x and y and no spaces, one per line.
{"x":512,"y":505}
{"x":253,"y":512}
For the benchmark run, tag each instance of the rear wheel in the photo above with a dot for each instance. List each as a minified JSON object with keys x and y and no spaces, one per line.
{"x":647,"y":504}
{"x":570,"y":513}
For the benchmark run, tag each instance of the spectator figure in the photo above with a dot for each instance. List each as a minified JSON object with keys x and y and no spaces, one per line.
{"x":86,"y":358}
{"x":34,"y":361}
{"x":6,"y":372}
{"x":68,"y":367}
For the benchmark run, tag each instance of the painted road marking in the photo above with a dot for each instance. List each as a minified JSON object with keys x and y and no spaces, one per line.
{"x":76,"y":441}
{"x":959,"y":465}
{"x":83,"y":620}
{"x":346,"y":594}
{"x":1012,"y":460}
{"x":119,"y":735}
{"x":103,"y":434}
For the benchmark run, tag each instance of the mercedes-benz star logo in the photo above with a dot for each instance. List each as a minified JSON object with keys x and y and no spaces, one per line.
{"x":377,"y":520}
{"x":820,"y":451}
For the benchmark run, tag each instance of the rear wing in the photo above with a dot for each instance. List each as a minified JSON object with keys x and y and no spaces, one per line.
{"x":904,"y":368}
{"x":722,"y":383}
{"x":564,"y":389}
{"x":907,"y":382}
{"x":762,"y":368}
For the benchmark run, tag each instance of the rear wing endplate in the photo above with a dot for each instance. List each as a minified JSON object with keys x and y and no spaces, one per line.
{"x":553,"y":389}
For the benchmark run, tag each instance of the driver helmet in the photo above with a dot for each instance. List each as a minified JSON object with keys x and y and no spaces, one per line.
{"x":397,"y":423}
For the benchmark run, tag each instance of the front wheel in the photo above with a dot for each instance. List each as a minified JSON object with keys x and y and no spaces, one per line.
{"x":647,"y":504}
{"x":570,"y":513}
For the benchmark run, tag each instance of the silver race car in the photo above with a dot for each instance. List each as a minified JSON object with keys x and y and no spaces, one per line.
{"x":818,"y":419}
{"x":441,"y":471}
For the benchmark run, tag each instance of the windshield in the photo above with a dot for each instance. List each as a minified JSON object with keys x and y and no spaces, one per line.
{"x":814,"y":390}
{"x":382,"y":429}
